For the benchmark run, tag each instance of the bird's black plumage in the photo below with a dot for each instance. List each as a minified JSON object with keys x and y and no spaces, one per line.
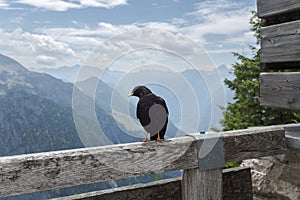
{"x":151,"y":111}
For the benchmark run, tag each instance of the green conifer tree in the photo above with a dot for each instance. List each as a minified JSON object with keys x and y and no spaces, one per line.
{"x":245,"y":111}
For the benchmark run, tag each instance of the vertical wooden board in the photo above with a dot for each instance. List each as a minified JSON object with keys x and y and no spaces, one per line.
{"x":267,"y":8}
{"x":198,"y":184}
{"x":281,"y":90}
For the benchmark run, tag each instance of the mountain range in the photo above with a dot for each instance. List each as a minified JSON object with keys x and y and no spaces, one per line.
{"x":37,"y":112}
{"x":182,"y":110}
{"x":36,"y":116}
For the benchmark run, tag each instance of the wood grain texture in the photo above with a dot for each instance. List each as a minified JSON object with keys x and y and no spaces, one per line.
{"x":168,"y":189}
{"x":267,"y":8}
{"x":281,"y":43}
{"x":44,"y":171}
{"x":279,"y":66}
{"x":198,"y":184}
{"x":253,"y":143}
{"x":281,"y":90}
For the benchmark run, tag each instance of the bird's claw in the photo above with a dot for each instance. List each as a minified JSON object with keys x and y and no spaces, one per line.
{"x":145,"y":140}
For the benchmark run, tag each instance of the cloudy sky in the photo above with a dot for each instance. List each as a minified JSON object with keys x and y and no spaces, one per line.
{"x":54,"y":33}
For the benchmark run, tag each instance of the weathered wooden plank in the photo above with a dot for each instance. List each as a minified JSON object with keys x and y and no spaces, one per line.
{"x":43,"y":171}
{"x":292,"y":135}
{"x":198,"y":184}
{"x":168,"y":189}
{"x":281,"y":43}
{"x":267,"y":8}
{"x":281,"y":90}
{"x":36,"y":172}
{"x":279,"y":66}
{"x":237,"y":184}
{"x":253,"y":143}
{"x":282,"y":18}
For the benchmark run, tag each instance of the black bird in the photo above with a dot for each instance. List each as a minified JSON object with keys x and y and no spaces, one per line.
{"x":152,"y":113}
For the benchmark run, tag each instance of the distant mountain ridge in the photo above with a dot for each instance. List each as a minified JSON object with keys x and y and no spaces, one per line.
{"x":68,"y":74}
{"x":36,"y":116}
{"x":17,"y":83}
{"x":111,"y":77}
{"x":28,"y":107}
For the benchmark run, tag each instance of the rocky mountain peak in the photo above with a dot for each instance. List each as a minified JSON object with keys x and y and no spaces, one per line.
{"x":10,"y":65}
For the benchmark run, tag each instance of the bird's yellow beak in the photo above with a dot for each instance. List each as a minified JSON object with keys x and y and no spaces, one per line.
{"x":130,"y":94}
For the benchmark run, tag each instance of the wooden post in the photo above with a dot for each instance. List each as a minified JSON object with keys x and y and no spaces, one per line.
{"x":206,"y":185}
{"x":205,"y":182}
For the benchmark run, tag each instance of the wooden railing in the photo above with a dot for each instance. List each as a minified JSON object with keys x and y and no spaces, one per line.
{"x":280,"y":50}
{"x":43,"y":171}
{"x":237,"y":184}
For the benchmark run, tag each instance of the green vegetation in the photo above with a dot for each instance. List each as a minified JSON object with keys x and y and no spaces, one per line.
{"x":245,"y":111}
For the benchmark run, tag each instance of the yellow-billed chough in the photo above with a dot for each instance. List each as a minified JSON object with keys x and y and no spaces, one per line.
{"x":152,"y":112}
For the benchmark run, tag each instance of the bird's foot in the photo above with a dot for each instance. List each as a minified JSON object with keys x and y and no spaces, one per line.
{"x":160,"y":139}
{"x":145,"y":140}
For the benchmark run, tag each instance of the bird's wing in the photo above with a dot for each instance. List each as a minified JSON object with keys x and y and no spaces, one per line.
{"x":138,"y":111}
{"x":142,"y":113}
{"x":144,"y":105}
{"x":162,"y":102}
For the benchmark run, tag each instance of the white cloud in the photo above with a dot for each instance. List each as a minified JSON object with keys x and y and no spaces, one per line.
{"x":3,"y":4}
{"x":75,"y":22}
{"x":61,"y":5}
{"x":56,"y":5}
{"x":44,"y":44}
{"x":35,"y":50}
{"x":106,"y":25}
{"x":101,"y":3}
{"x":242,"y":39}
{"x":46,"y":60}
{"x":221,"y":17}
{"x":68,"y":45}
{"x":159,"y":25}
{"x":206,"y":8}
{"x":84,"y":38}
{"x":220,"y":51}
